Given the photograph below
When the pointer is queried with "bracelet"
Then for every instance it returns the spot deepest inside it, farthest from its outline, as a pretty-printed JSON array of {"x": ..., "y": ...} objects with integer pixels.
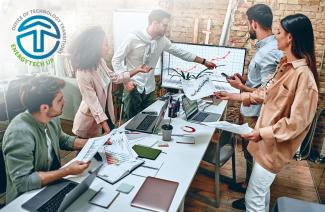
[{"x": 203, "y": 62}]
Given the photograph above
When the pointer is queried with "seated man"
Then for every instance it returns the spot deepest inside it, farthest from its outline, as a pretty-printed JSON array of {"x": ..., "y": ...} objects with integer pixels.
[{"x": 32, "y": 140}]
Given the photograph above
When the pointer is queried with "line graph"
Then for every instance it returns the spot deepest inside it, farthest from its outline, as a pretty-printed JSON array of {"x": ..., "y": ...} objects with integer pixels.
[{"x": 228, "y": 60}]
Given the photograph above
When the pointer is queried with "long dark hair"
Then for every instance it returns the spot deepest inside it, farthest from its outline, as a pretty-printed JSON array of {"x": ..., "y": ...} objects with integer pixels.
[
  {"x": 86, "y": 49},
  {"x": 301, "y": 30}
]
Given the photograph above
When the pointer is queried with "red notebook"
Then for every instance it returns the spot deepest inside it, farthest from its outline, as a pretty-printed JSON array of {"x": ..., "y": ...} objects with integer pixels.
[{"x": 155, "y": 194}]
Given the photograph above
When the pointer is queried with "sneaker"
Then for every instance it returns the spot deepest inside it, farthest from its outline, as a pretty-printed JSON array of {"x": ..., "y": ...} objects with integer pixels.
[{"x": 239, "y": 204}]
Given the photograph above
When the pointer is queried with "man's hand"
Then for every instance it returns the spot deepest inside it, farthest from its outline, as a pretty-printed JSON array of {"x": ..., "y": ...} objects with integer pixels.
[
  {"x": 77, "y": 167},
  {"x": 254, "y": 136},
  {"x": 129, "y": 86},
  {"x": 235, "y": 82},
  {"x": 240, "y": 77},
  {"x": 210, "y": 65}
]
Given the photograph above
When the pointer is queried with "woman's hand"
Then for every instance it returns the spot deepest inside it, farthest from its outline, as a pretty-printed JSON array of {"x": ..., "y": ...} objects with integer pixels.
[
  {"x": 254, "y": 136},
  {"x": 129, "y": 86},
  {"x": 143, "y": 69},
  {"x": 224, "y": 95},
  {"x": 105, "y": 127}
]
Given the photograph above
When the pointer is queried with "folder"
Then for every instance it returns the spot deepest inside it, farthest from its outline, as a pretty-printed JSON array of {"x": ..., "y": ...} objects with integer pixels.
[
  {"x": 155, "y": 194},
  {"x": 146, "y": 152}
]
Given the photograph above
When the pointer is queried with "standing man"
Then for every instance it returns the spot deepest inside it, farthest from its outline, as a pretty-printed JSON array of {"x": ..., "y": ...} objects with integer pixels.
[
  {"x": 262, "y": 65},
  {"x": 145, "y": 47},
  {"x": 33, "y": 138}
]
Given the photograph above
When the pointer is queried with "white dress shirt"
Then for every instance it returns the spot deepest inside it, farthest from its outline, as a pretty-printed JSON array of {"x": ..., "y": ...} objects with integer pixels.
[{"x": 130, "y": 55}]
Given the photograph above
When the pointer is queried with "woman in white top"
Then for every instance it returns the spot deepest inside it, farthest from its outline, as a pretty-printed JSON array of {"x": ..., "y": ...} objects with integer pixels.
[{"x": 95, "y": 82}]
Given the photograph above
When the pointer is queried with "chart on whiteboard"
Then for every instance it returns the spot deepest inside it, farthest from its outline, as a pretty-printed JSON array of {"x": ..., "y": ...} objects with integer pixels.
[{"x": 228, "y": 60}]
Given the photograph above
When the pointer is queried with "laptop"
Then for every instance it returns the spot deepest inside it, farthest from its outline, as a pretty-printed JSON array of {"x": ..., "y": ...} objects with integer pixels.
[
  {"x": 193, "y": 114},
  {"x": 59, "y": 195},
  {"x": 145, "y": 122},
  {"x": 155, "y": 194}
]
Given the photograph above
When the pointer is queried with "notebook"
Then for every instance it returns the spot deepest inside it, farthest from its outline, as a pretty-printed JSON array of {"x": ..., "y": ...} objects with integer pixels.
[
  {"x": 112, "y": 173},
  {"x": 155, "y": 194}
]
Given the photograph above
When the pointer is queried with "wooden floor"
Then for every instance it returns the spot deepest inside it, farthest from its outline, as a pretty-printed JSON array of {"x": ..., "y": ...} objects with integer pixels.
[{"x": 294, "y": 181}]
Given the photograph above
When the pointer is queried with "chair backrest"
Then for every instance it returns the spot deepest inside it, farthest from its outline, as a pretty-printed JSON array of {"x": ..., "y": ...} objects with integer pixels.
[
  {"x": 226, "y": 138},
  {"x": 305, "y": 147},
  {"x": 13, "y": 102}
]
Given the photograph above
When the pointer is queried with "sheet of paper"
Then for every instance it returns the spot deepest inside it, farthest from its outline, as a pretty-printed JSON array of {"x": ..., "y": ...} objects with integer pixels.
[
  {"x": 234, "y": 128},
  {"x": 198, "y": 88},
  {"x": 91, "y": 148}
]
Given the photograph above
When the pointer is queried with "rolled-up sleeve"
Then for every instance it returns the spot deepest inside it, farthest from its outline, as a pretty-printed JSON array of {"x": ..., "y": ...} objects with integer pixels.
[
  {"x": 178, "y": 52},
  {"x": 253, "y": 98},
  {"x": 18, "y": 151},
  {"x": 116, "y": 78},
  {"x": 89, "y": 95}
]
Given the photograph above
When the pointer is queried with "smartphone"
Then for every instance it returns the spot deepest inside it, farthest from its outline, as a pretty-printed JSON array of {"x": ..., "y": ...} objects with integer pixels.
[{"x": 225, "y": 75}]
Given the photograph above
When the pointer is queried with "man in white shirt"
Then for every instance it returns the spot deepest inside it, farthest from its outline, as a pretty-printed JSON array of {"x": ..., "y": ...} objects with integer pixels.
[{"x": 145, "y": 47}]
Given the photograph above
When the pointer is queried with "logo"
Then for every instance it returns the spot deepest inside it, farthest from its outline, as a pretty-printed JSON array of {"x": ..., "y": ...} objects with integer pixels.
[{"x": 39, "y": 34}]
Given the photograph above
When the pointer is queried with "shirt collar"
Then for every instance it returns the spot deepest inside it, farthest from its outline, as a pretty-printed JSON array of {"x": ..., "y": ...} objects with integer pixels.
[
  {"x": 264, "y": 41},
  {"x": 295, "y": 64},
  {"x": 40, "y": 125},
  {"x": 147, "y": 34}
]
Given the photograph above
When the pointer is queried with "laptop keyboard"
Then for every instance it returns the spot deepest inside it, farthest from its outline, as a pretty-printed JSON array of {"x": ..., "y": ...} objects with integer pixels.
[
  {"x": 54, "y": 203},
  {"x": 146, "y": 122},
  {"x": 200, "y": 117}
]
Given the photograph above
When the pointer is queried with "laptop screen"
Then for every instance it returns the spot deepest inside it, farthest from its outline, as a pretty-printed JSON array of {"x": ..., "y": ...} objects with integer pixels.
[{"x": 190, "y": 107}]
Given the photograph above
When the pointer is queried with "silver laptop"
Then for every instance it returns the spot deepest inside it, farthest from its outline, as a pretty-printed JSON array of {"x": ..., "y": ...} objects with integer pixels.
[
  {"x": 145, "y": 122},
  {"x": 193, "y": 114},
  {"x": 59, "y": 195}
]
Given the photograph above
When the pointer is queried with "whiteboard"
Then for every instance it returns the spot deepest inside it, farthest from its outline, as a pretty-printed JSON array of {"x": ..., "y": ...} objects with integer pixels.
[
  {"x": 127, "y": 21},
  {"x": 230, "y": 61}
]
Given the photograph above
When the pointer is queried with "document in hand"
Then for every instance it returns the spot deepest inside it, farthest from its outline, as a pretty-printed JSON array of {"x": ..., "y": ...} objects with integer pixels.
[
  {"x": 234, "y": 128},
  {"x": 91, "y": 148}
]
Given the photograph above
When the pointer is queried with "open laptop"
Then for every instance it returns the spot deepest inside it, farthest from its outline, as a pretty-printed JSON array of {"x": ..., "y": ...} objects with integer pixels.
[
  {"x": 145, "y": 122},
  {"x": 193, "y": 114},
  {"x": 60, "y": 195}
]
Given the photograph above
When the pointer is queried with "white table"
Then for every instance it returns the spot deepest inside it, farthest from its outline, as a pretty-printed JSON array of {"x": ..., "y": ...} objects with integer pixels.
[{"x": 180, "y": 165}]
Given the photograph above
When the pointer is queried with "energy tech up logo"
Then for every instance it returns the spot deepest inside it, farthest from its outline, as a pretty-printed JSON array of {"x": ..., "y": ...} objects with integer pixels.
[{"x": 39, "y": 34}]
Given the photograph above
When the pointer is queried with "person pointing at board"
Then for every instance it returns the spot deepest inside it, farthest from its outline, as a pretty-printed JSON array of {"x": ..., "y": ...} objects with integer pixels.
[{"x": 145, "y": 47}]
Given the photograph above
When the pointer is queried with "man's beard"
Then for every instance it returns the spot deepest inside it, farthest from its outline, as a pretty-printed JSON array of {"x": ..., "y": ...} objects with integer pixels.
[
  {"x": 52, "y": 113},
  {"x": 252, "y": 34}
]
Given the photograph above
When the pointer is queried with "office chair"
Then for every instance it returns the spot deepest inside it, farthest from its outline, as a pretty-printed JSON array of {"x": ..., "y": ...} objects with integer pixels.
[
  {"x": 305, "y": 147},
  {"x": 218, "y": 154},
  {"x": 13, "y": 107}
]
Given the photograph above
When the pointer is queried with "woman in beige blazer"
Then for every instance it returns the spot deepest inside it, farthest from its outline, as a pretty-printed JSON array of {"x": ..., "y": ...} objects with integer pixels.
[{"x": 96, "y": 111}]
